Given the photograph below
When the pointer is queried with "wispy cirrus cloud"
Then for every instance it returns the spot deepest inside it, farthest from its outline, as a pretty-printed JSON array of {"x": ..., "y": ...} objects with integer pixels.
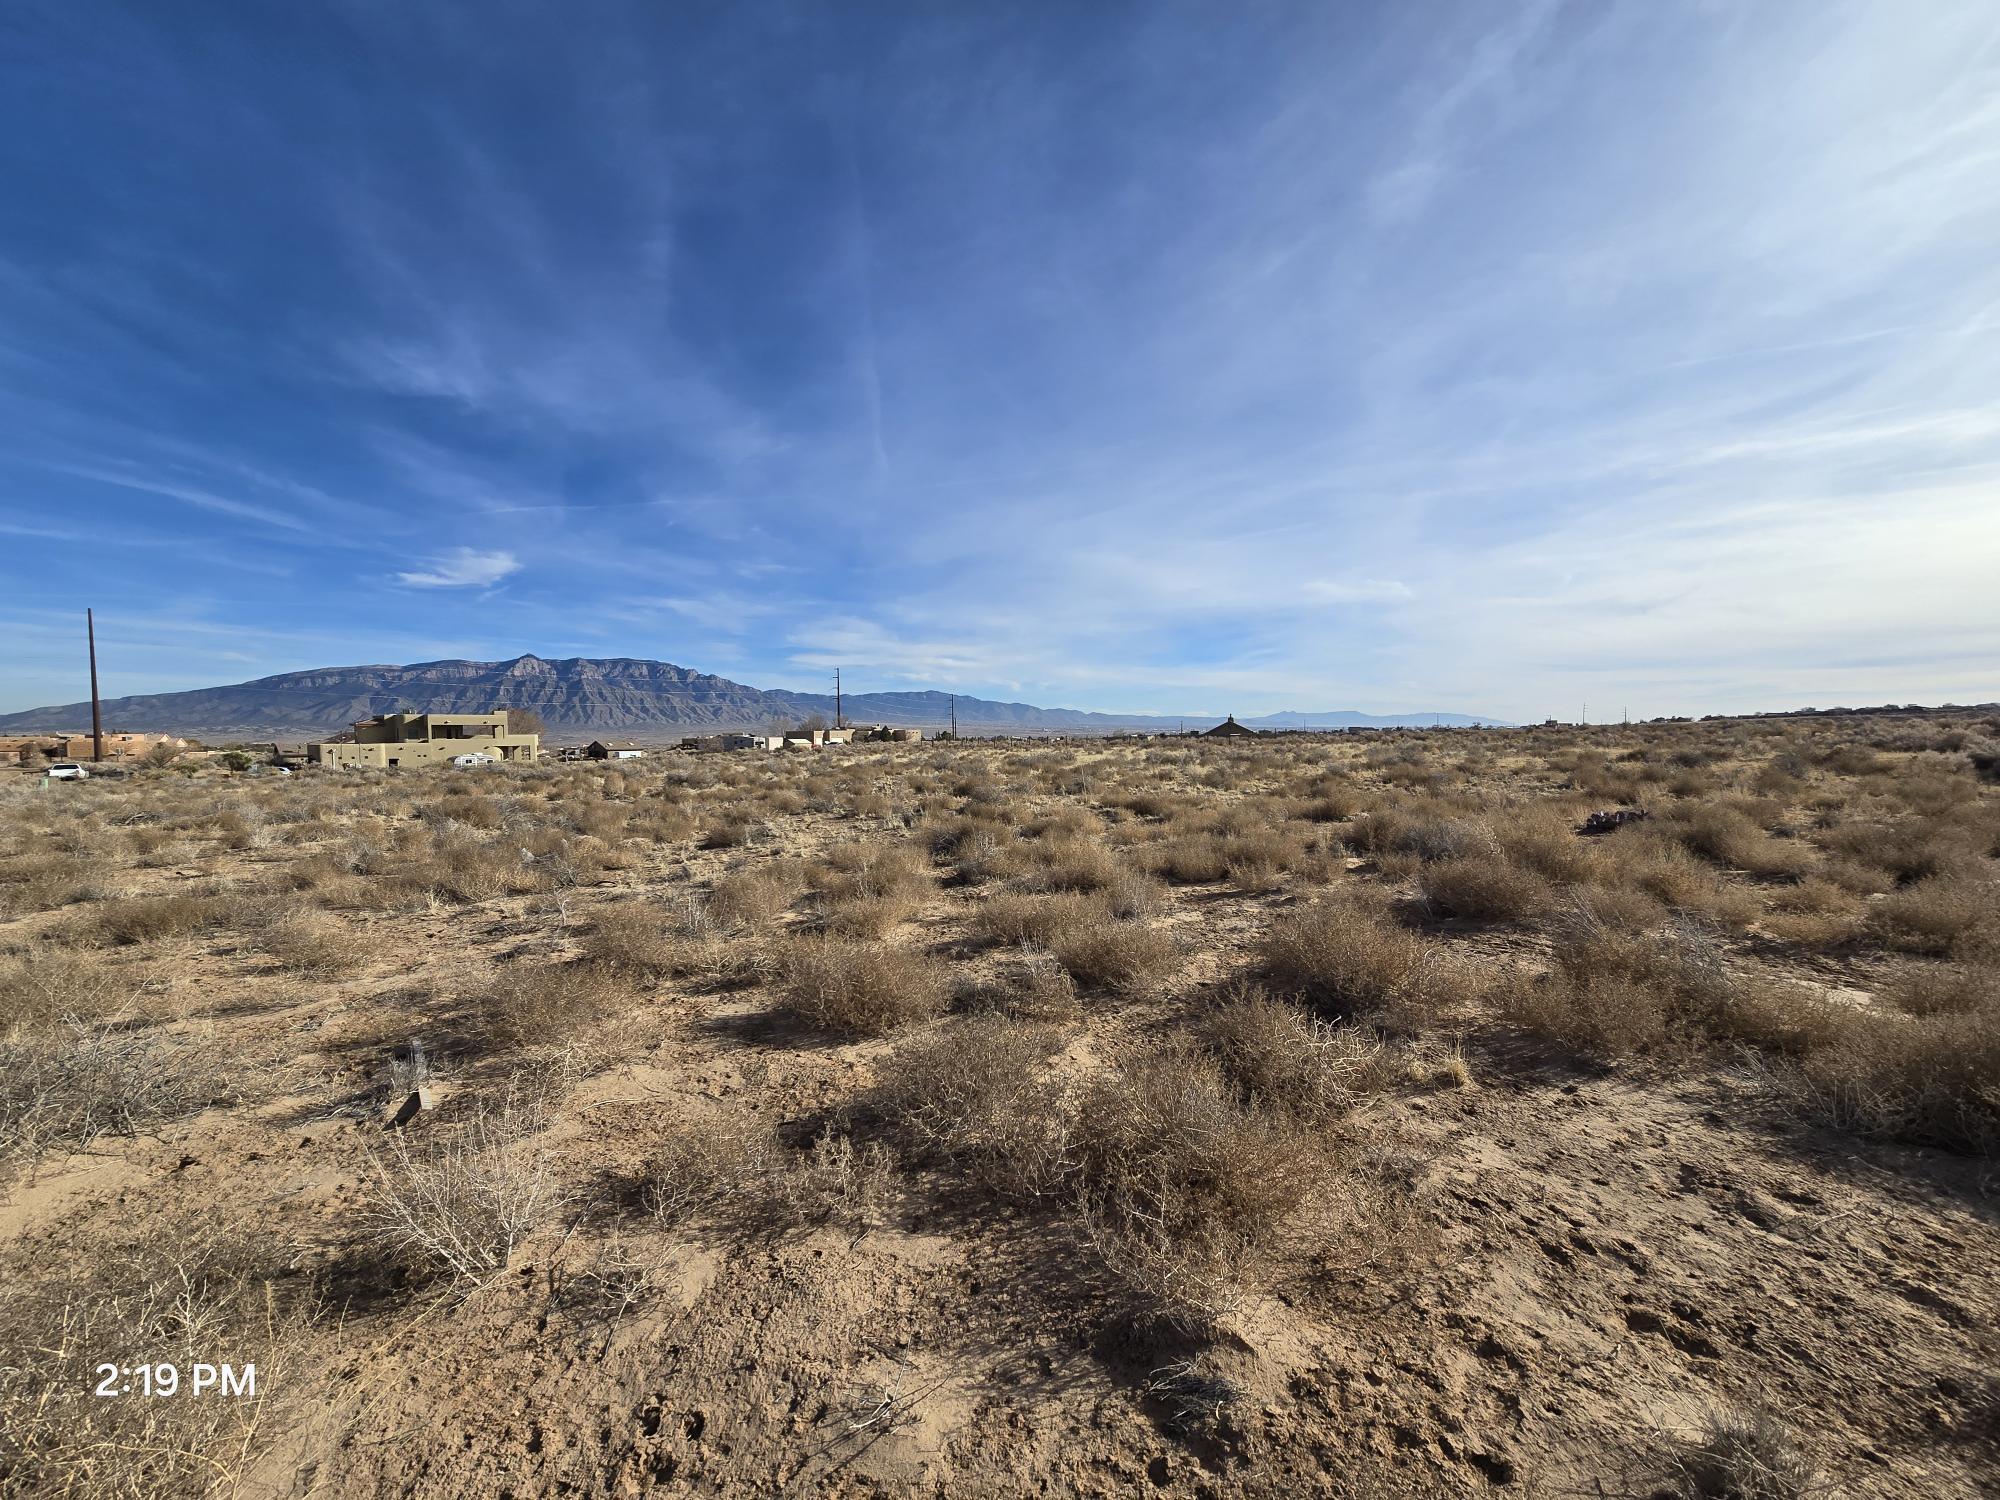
[
  {"x": 463, "y": 568},
  {"x": 1364, "y": 357}
]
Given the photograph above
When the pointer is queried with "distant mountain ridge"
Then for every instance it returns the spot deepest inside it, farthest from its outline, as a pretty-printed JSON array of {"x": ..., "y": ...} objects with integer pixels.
[{"x": 586, "y": 693}]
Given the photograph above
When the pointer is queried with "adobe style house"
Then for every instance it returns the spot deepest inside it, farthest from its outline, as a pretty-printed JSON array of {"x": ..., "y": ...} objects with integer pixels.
[
  {"x": 426, "y": 740},
  {"x": 117, "y": 746}
]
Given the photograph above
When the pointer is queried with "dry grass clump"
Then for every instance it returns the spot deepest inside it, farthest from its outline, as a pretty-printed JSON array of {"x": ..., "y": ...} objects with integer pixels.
[
  {"x": 1342, "y": 958},
  {"x": 757, "y": 895},
  {"x": 530, "y": 1004},
  {"x": 1736, "y": 1456},
  {"x": 1066, "y": 862},
  {"x": 858, "y": 988},
  {"x": 1931, "y": 1079},
  {"x": 1199, "y": 859},
  {"x": 1286, "y": 1059},
  {"x": 871, "y": 888},
  {"x": 1612, "y": 992},
  {"x": 147, "y": 919},
  {"x": 1122, "y": 957},
  {"x": 1487, "y": 887},
  {"x": 1944, "y": 914},
  {"x": 735, "y": 1168},
  {"x": 37, "y": 989},
  {"x": 1729, "y": 838},
  {"x": 669, "y": 939},
  {"x": 185, "y": 1292},
  {"x": 977, "y": 1095},
  {"x": 457, "y": 1198},
  {"x": 1661, "y": 869},
  {"x": 1185, "y": 1193},
  {"x": 67, "y": 1085},
  {"x": 45, "y": 881},
  {"x": 313, "y": 944},
  {"x": 1931, "y": 989},
  {"x": 1013, "y": 918}
]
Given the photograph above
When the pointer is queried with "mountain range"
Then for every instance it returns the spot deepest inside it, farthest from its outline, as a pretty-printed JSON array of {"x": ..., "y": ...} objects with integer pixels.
[{"x": 639, "y": 698}]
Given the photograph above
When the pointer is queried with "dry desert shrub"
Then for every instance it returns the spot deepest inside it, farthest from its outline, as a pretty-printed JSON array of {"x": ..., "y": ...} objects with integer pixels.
[
  {"x": 1185, "y": 1193},
  {"x": 67, "y": 1085},
  {"x": 1943, "y": 914},
  {"x": 139, "y": 920},
  {"x": 1611, "y": 993},
  {"x": 1066, "y": 862},
  {"x": 1198, "y": 859},
  {"x": 1729, "y": 838},
  {"x": 1934, "y": 989},
  {"x": 1286, "y": 1059},
  {"x": 37, "y": 989},
  {"x": 1486, "y": 886},
  {"x": 1661, "y": 869},
  {"x": 185, "y": 1293},
  {"x": 758, "y": 894},
  {"x": 1540, "y": 839},
  {"x": 46, "y": 881},
  {"x": 313, "y": 944},
  {"x": 1933, "y": 1080},
  {"x": 870, "y": 888},
  {"x": 536, "y": 1004},
  {"x": 1123, "y": 956},
  {"x": 734, "y": 1169},
  {"x": 1735, "y": 1456},
  {"x": 457, "y": 1198},
  {"x": 1342, "y": 958},
  {"x": 656, "y": 941},
  {"x": 858, "y": 988},
  {"x": 1012, "y": 918},
  {"x": 977, "y": 1095}
]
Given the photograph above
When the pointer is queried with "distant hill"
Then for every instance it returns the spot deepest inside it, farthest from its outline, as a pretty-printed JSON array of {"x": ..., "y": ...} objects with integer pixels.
[{"x": 587, "y": 694}]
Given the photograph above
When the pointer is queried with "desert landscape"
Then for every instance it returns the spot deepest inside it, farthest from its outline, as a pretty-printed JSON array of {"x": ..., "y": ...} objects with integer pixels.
[{"x": 1285, "y": 1115}]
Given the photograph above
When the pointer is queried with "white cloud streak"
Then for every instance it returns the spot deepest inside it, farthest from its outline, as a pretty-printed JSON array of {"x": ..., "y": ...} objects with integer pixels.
[{"x": 463, "y": 568}]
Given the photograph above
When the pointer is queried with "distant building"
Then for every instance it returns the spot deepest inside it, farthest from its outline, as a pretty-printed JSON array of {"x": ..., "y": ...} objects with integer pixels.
[
  {"x": 614, "y": 750},
  {"x": 426, "y": 740},
  {"x": 25, "y": 749},
  {"x": 119, "y": 746},
  {"x": 1229, "y": 726}
]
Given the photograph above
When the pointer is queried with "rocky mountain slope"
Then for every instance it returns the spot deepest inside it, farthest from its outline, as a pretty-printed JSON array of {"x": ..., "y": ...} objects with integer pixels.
[{"x": 581, "y": 693}]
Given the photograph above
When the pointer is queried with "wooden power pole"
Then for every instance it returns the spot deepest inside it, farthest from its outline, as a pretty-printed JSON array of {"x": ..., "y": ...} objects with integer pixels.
[
  {"x": 836, "y": 699},
  {"x": 954, "y": 716},
  {"x": 96, "y": 712}
]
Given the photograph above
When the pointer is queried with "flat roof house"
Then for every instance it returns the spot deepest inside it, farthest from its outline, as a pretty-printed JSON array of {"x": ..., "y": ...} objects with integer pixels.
[{"x": 426, "y": 740}]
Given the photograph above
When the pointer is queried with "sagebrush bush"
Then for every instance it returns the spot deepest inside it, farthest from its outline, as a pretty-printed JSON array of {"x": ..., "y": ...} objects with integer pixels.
[
  {"x": 863, "y": 989},
  {"x": 977, "y": 1095},
  {"x": 1122, "y": 956},
  {"x": 1341, "y": 957},
  {"x": 544, "y": 1004},
  {"x": 1486, "y": 886},
  {"x": 1185, "y": 1192},
  {"x": 1286, "y": 1059}
]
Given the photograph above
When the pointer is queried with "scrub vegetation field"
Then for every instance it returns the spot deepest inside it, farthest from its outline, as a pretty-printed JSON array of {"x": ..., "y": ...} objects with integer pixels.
[{"x": 1298, "y": 1116}]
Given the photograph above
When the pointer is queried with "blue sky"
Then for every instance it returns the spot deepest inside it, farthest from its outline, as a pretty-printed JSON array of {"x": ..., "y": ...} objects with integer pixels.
[{"x": 1481, "y": 357}]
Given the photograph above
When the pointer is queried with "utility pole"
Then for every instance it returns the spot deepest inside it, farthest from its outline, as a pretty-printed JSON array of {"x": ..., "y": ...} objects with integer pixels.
[
  {"x": 96, "y": 712},
  {"x": 836, "y": 699},
  {"x": 954, "y": 716}
]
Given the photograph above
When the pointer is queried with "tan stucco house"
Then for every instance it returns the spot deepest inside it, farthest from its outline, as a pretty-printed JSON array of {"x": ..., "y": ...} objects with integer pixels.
[{"x": 426, "y": 740}]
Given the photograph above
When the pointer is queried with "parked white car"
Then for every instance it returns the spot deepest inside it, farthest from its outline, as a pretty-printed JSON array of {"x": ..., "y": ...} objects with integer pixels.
[
  {"x": 67, "y": 770},
  {"x": 476, "y": 758}
]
